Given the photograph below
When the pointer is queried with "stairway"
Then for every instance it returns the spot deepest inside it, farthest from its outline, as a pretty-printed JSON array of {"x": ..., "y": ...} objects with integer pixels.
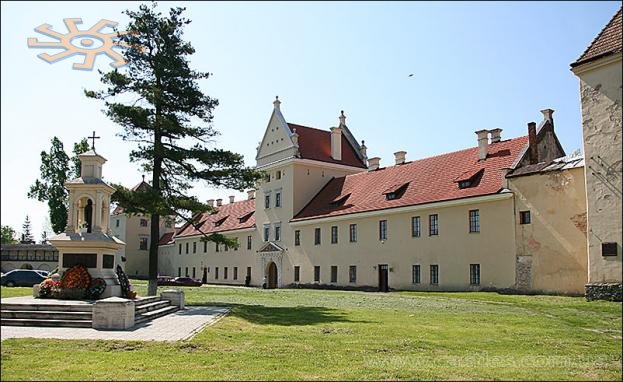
[
  {"x": 53, "y": 315},
  {"x": 149, "y": 308}
]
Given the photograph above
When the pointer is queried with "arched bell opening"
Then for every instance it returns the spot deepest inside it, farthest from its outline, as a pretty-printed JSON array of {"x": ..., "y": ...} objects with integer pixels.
[{"x": 86, "y": 211}]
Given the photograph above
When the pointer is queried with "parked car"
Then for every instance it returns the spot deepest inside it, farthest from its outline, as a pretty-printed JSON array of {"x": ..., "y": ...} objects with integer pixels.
[
  {"x": 165, "y": 280},
  {"x": 21, "y": 277},
  {"x": 42, "y": 273},
  {"x": 186, "y": 281}
]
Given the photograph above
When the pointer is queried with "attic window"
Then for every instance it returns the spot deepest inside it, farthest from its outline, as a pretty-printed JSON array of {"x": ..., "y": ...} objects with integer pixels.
[
  {"x": 220, "y": 221},
  {"x": 340, "y": 200},
  {"x": 469, "y": 179},
  {"x": 245, "y": 217},
  {"x": 395, "y": 191}
]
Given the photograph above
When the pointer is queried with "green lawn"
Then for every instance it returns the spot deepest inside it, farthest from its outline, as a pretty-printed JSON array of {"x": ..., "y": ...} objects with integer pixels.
[{"x": 312, "y": 334}]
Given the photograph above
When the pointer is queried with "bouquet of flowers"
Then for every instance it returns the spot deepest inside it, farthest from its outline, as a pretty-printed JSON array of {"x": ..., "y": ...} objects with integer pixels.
[
  {"x": 49, "y": 289},
  {"x": 97, "y": 287},
  {"x": 76, "y": 277}
]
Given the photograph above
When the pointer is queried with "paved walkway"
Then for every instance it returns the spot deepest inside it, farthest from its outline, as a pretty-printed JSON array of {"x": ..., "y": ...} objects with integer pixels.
[{"x": 179, "y": 325}]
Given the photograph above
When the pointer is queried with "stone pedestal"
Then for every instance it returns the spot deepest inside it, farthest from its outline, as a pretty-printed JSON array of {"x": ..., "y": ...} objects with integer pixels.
[
  {"x": 113, "y": 313},
  {"x": 176, "y": 297},
  {"x": 35, "y": 290}
]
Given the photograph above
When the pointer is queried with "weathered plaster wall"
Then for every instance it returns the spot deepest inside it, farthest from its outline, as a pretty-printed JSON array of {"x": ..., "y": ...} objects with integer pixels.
[
  {"x": 551, "y": 250},
  {"x": 600, "y": 90}
]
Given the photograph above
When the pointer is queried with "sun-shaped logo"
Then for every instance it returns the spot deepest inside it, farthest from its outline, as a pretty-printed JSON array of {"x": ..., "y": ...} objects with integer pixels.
[{"x": 88, "y": 43}]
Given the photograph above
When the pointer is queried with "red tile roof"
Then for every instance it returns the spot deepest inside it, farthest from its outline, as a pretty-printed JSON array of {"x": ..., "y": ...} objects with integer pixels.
[
  {"x": 607, "y": 42},
  {"x": 232, "y": 216},
  {"x": 429, "y": 180},
  {"x": 315, "y": 144},
  {"x": 167, "y": 238}
]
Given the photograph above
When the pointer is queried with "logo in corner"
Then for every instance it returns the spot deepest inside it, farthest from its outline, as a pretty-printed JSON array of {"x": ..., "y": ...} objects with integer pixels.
[{"x": 88, "y": 43}]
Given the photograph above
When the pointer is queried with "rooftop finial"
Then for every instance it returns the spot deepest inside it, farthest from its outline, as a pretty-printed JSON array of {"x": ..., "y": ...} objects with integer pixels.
[
  {"x": 276, "y": 102},
  {"x": 342, "y": 118},
  {"x": 93, "y": 138},
  {"x": 143, "y": 177}
]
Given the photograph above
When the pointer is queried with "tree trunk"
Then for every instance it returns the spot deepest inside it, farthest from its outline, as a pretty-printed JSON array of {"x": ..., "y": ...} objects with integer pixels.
[{"x": 155, "y": 218}]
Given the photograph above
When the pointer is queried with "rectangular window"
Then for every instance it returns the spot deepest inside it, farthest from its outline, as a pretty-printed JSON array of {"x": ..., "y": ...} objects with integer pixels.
[
  {"x": 217, "y": 247},
  {"x": 266, "y": 201},
  {"x": 235, "y": 273},
  {"x": 433, "y": 225},
  {"x": 415, "y": 274},
  {"x": 249, "y": 272},
  {"x": 194, "y": 274},
  {"x": 179, "y": 271},
  {"x": 416, "y": 226},
  {"x": 317, "y": 273},
  {"x": 194, "y": 247},
  {"x": 278, "y": 175},
  {"x": 143, "y": 222},
  {"x": 226, "y": 247},
  {"x": 225, "y": 273},
  {"x": 277, "y": 199},
  {"x": 277, "y": 232},
  {"x": 205, "y": 247},
  {"x": 434, "y": 274},
  {"x": 297, "y": 237},
  {"x": 474, "y": 221},
  {"x": 266, "y": 232},
  {"x": 143, "y": 244},
  {"x": 334, "y": 234},
  {"x": 180, "y": 248},
  {"x": 352, "y": 274},
  {"x": 216, "y": 273},
  {"x": 117, "y": 223},
  {"x": 297, "y": 273},
  {"x": 333, "y": 273},
  {"x": 317, "y": 236},
  {"x": 186, "y": 272},
  {"x": 474, "y": 274},
  {"x": 383, "y": 230},
  {"x": 249, "y": 242},
  {"x": 353, "y": 233},
  {"x": 524, "y": 217},
  {"x": 187, "y": 248}
]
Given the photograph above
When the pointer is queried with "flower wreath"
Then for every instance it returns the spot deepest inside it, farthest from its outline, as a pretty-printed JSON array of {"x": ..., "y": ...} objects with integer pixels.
[
  {"x": 76, "y": 277},
  {"x": 123, "y": 281}
]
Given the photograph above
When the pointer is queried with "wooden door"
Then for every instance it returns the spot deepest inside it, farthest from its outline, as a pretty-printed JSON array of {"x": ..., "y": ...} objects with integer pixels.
[
  {"x": 383, "y": 278},
  {"x": 272, "y": 276}
]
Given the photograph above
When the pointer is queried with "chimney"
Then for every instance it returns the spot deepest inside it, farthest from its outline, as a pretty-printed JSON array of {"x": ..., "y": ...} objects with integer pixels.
[
  {"x": 496, "y": 135},
  {"x": 251, "y": 194},
  {"x": 364, "y": 150},
  {"x": 232, "y": 198},
  {"x": 483, "y": 143},
  {"x": 277, "y": 103},
  {"x": 336, "y": 143},
  {"x": 210, "y": 202},
  {"x": 532, "y": 143},
  {"x": 548, "y": 115},
  {"x": 374, "y": 163},
  {"x": 400, "y": 157},
  {"x": 219, "y": 202}
]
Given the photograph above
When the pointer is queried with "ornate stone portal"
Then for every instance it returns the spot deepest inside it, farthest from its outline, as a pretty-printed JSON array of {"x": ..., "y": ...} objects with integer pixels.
[{"x": 87, "y": 240}]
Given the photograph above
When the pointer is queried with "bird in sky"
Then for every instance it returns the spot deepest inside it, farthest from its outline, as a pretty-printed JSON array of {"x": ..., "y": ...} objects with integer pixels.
[{"x": 411, "y": 75}]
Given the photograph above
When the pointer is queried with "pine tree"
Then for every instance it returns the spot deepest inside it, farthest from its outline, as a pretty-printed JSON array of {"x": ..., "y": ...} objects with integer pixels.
[
  {"x": 169, "y": 117},
  {"x": 7, "y": 235},
  {"x": 55, "y": 170},
  {"x": 27, "y": 231}
]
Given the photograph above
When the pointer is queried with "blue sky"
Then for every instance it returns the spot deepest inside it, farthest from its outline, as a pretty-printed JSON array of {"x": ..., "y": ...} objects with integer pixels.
[{"x": 475, "y": 65}]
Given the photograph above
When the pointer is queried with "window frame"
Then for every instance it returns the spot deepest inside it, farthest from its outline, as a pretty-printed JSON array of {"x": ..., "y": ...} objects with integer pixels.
[
  {"x": 142, "y": 240},
  {"x": 297, "y": 273},
  {"x": 434, "y": 274},
  {"x": 317, "y": 236},
  {"x": 416, "y": 226},
  {"x": 416, "y": 274},
  {"x": 266, "y": 201},
  {"x": 297, "y": 237},
  {"x": 352, "y": 233},
  {"x": 334, "y": 234},
  {"x": 143, "y": 223},
  {"x": 249, "y": 242},
  {"x": 522, "y": 217},
  {"x": 474, "y": 274},
  {"x": 352, "y": 274},
  {"x": 277, "y": 232},
  {"x": 433, "y": 229},
  {"x": 474, "y": 221},
  {"x": 278, "y": 199},
  {"x": 266, "y": 235},
  {"x": 334, "y": 274},
  {"x": 383, "y": 230},
  {"x": 316, "y": 273}
]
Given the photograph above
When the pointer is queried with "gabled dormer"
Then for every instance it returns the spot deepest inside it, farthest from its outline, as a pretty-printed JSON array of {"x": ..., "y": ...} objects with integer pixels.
[{"x": 278, "y": 142}]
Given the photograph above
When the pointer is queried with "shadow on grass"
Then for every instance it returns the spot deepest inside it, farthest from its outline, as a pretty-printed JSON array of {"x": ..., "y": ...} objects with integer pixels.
[{"x": 286, "y": 316}]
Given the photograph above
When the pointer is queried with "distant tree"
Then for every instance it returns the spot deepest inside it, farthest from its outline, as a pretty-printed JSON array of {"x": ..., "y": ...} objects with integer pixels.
[
  {"x": 27, "y": 230},
  {"x": 8, "y": 235},
  {"x": 44, "y": 237},
  {"x": 163, "y": 109},
  {"x": 26, "y": 266},
  {"x": 55, "y": 171}
]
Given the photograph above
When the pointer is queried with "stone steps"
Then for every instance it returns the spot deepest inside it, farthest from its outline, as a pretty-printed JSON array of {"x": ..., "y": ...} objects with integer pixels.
[
  {"x": 146, "y": 300},
  {"x": 46, "y": 322},
  {"x": 151, "y": 315},
  {"x": 48, "y": 307},
  {"x": 46, "y": 315},
  {"x": 148, "y": 307}
]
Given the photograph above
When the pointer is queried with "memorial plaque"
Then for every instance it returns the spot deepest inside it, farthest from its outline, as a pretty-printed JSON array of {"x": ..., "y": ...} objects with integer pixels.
[
  {"x": 109, "y": 261},
  {"x": 89, "y": 260}
]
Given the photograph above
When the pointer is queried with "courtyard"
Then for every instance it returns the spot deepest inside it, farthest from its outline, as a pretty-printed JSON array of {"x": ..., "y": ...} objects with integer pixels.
[{"x": 334, "y": 335}]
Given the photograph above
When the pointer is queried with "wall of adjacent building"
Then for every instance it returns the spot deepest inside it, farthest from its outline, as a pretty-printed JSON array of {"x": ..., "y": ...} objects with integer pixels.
[
  {"x": 551, "y": 249},
  {"x": 600, "y": 91}
]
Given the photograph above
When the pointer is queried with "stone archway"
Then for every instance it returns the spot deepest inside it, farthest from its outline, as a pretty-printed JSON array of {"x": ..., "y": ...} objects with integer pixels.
[{"x": 271, "y": 275}]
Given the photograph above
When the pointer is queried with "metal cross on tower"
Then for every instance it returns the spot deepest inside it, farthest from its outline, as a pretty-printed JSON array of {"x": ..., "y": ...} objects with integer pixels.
[{"x": 93, "y": 138}]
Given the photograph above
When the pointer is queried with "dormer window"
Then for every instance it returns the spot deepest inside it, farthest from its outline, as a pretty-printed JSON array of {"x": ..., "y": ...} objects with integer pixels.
[
  {"x": 396, "y": 191},
  {"x": 340, "y": 200},
  {"x": 220, "y": 221},
  {"x": 469, "y": 179},
  {"x": 245, "y": 217}
]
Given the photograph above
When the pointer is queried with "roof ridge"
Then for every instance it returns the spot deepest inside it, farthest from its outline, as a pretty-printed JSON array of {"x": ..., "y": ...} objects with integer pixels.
[
  {"x": 308, "y": 127},
  {"x": 579, "y": 60}
]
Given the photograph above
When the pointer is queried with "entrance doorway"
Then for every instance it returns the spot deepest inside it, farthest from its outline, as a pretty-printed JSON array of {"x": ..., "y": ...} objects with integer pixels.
[
  {"x": 383, "y": 275},
  {"x": 272, "y": 276},
  {"x": 204, "y": 279}
]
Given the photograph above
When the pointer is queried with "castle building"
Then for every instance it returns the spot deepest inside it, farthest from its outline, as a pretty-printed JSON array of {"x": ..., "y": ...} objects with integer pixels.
[{"x": 506, "y": 213}]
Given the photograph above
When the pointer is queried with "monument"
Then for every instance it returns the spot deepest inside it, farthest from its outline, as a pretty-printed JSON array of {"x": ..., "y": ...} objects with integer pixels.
[{"x": 87, "y": 239}]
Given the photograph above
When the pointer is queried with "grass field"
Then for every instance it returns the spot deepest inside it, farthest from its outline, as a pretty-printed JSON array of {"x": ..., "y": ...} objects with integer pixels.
[{"x": 313, "y": 334}]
